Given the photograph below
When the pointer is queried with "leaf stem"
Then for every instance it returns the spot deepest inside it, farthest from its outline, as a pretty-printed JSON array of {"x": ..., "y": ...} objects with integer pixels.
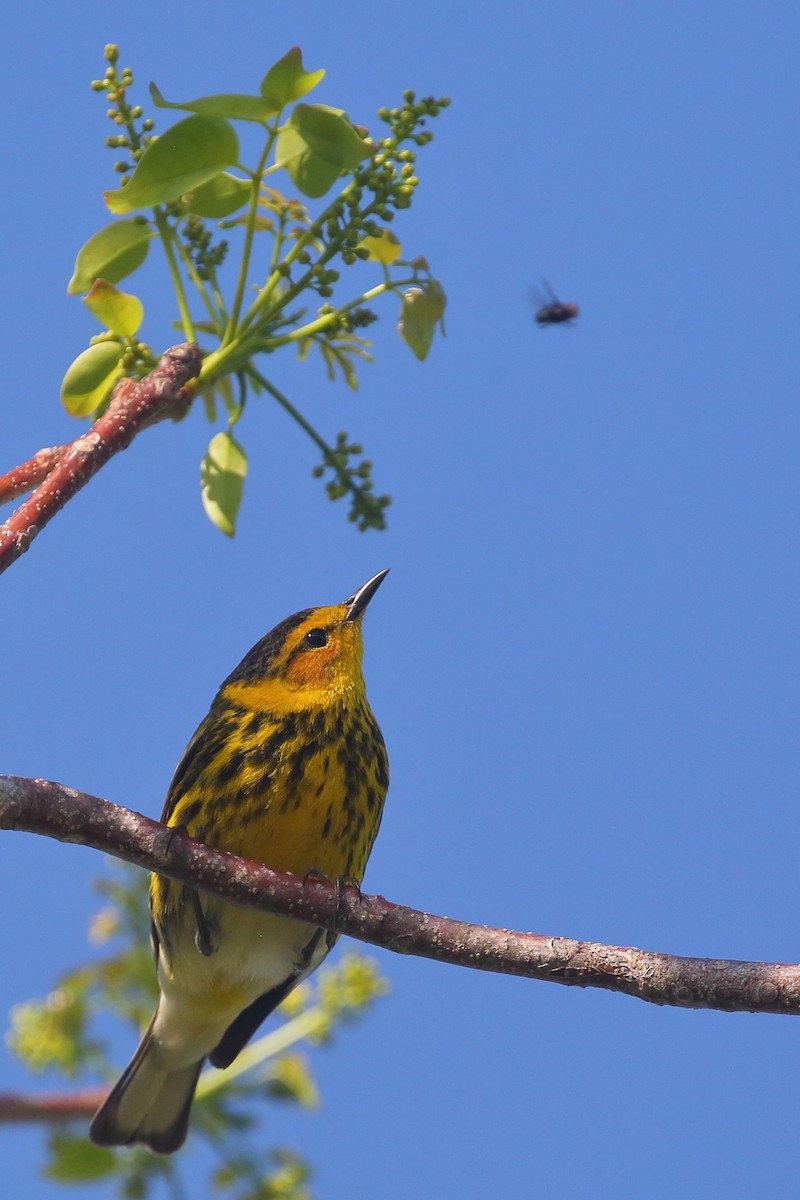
[
  {"x": 216, "y": 316},
  {"x": 167, "y": 241},
  {"x": 268, "y": 1046},
  {"x": 292, "y": 411},
  {"x": 244, "y": 265},
  {"x": 330, "y": 318}
]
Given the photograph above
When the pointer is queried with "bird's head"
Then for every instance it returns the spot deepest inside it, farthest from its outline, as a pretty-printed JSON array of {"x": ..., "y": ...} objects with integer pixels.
[{"x": 309, "y": 660}]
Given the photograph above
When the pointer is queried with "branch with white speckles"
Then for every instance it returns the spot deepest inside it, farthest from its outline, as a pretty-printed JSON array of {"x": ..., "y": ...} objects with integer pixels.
[
  {"x": 61, "y": 471},
  {"x": 36, "y": 806}
]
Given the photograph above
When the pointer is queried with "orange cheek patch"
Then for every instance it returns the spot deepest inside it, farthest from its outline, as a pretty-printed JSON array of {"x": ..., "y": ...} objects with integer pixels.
[{"x": 311, "y": 669}]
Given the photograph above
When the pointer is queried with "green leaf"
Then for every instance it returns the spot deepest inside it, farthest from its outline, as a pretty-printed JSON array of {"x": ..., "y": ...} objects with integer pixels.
[
  {"x": 385, "y": 248},
  {"x": 287, "y": 81},
  {"x": 220, "y": 197},
  {"x": 90, "y": 378},
  {"x": 112, "y": 253},
  {"x": 291, "y": 1079},
  {"x": 317, "y": 145},
  {"x": 49, "y": 1033},
  {"x": 422, "y": 310},
  {"x": 187, "y": 155},
  {"x": 118, "y": 311},
  {"x": 233, "y": 106},
  {"x": 222, "y": 474},
  {"x": 77, "y": 1160}
]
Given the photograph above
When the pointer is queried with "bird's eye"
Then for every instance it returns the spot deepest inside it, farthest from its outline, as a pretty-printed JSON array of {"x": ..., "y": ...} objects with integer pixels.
[{"x": 316, "y": 638}]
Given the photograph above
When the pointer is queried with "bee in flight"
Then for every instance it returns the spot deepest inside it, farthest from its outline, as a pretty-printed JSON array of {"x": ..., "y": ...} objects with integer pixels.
[{"x": 553, "y": 312}]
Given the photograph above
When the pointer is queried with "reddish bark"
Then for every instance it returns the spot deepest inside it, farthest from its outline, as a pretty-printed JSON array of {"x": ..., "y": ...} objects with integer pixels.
[
  {"x": 16, "y": 1107},
  {"x": 59, "y": 812},
  {"x": 134, "y": 405},
  {"x": 29, "y": 474}
]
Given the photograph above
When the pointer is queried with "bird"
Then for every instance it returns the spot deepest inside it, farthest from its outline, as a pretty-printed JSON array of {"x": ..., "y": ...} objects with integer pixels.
[{"x": 289, "y": 769}]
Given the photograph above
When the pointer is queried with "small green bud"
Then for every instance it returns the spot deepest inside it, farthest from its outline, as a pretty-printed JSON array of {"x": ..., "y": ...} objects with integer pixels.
[{"x": 111, "y": 52}]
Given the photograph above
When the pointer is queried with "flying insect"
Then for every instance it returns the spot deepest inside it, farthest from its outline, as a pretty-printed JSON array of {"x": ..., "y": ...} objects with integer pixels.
[{"x": 553, "y": 311}]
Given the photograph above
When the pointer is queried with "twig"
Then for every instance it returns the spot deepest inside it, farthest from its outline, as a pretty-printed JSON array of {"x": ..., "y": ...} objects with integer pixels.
[
  {"x": 29, "y": 474},
  {"x": 56, "y": 811},
  {"x": 18, "y": 1107},
  {"x": 134, "y": 405}
]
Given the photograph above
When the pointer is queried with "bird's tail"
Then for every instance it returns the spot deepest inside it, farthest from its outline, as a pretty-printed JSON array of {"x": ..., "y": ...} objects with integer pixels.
[{"x": 150, "y": 1103}]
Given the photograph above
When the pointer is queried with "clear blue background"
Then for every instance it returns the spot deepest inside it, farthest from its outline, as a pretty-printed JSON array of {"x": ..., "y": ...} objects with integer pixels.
[{"x": 585, "y": 658}]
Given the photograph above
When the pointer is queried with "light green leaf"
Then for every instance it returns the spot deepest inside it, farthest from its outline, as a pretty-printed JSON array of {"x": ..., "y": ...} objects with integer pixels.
[
  {"x": 76, "y": 1160},
  {"x": 90, "y": 378},
  {"x": 287, "y": 81},
  {"x": 112, "y": 253},
  {"x": 316, "y": 145},
  {"x": 232, "y": 106},
  {"x": 385, "y": 248},
  {"x": 291, "y": 1079},
  {"x": 120, "y": 312},
  {"x": 183, "y": 158},
  {"x": 220, "y": 197},
  {"x": 421, "y": 311},
  {"x": 222, "y": 475}
]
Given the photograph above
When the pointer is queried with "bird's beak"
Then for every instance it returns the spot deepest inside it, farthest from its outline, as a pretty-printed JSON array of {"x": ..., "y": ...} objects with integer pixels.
[{"x": 360, "y": 599}]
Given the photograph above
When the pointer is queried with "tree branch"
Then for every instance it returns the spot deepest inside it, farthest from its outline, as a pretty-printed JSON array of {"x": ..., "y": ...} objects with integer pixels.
[
  {"x": 134, "y": 405},
  {"x": 19, "y": 1107},
  {"x": 36, "y": 806},
  {"x": 28, "y": 474}
]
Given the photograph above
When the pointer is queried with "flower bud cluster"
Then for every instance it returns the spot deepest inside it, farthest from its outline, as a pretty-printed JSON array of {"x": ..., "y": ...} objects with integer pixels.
[
  {"x": 134, "y": 140},
  {"x": 366, "y": 509},
  {"x": 206, "y": 256}
]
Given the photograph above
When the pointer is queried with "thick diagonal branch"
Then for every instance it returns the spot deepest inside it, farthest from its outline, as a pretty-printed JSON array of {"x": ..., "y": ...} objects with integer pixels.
[
  {"x": 59, "y": 812},
  {"x": 134, "y": 405}
]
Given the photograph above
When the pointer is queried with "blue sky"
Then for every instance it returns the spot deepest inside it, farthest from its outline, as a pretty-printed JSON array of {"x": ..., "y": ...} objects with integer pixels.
[{"x": 585, "y": 660}]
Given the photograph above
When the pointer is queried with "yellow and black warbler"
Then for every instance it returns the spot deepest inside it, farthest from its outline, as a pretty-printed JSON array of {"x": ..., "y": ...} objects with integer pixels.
[{"x": 289, "y": 769}]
